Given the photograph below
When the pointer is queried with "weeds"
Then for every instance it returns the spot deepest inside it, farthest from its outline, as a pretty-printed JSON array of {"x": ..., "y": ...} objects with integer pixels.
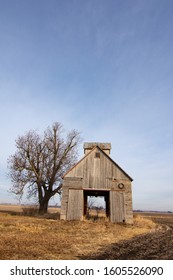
[
  {"x": 30, "y": 210},
  {"x": 142, "y": 222}
]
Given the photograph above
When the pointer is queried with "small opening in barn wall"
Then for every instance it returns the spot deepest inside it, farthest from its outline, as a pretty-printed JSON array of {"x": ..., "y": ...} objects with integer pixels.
[{"x": 97, "y": 155}]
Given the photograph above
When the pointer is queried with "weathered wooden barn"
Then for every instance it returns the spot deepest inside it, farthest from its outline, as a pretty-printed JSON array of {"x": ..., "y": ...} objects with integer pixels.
[{"x": 96, "y": 174}]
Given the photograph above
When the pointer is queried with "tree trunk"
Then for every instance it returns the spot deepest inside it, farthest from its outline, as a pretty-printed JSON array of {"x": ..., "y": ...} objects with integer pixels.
[{"x": 43, "y": 206}]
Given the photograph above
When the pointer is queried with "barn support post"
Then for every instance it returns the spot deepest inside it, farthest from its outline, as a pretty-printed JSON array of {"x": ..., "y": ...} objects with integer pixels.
[
  {"x": 107, "y": 201},
  {"x": 85, "y": 204}
]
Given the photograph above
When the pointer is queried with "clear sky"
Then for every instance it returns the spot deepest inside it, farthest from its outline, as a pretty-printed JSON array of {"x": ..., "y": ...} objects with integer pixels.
[{"x": 103, "y": 67}]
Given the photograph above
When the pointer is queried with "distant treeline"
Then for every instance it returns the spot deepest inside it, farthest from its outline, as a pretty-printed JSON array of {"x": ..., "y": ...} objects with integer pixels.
[{"x": 153, "y": 211}]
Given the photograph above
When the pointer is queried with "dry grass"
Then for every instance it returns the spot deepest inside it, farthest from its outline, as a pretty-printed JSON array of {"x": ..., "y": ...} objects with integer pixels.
[
  {"x": 141, "y": 221},
  {"x": 24, "y": 237},
  {"x": 33, "y": 238}
]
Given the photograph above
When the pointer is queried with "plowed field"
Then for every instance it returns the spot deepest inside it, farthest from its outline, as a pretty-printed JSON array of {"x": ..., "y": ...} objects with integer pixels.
[{"x": 156, "y": 245}]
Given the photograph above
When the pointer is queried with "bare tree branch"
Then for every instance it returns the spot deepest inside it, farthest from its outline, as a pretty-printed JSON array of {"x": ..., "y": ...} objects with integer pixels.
[{"x": 40, "y": 162}]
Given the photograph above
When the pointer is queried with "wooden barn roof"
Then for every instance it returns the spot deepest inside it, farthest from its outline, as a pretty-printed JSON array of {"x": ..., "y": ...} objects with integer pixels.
[{"x": 105, "y": 156}]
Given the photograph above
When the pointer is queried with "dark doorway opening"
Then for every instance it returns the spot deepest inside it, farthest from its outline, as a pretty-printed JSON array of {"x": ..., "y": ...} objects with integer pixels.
[{"x": 96, "y": 193}]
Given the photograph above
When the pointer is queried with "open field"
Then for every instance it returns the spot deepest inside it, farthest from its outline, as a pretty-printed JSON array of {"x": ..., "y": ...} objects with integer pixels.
[
  {"x": 19, "y": 208},
  {"x": 25, "y": 237}
]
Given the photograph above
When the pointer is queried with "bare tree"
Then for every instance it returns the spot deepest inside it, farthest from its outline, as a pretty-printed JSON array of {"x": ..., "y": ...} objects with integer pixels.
[
  {"x": 40, "y": 162},
  {"x": 90, "y": 204},
  {"x": 94, "y": 205}
]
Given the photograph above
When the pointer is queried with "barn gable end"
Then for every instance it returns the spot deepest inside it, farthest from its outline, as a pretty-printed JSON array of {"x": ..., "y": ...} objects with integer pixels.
[{"x": 96, "y": 171}]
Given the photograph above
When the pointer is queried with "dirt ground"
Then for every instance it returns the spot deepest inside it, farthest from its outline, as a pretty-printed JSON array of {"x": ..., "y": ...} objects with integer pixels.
[{"x": 151, "y": 246}]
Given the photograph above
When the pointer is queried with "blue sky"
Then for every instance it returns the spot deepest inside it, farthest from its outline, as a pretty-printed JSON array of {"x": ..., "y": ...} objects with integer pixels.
[{"x": 103, "y": 67}]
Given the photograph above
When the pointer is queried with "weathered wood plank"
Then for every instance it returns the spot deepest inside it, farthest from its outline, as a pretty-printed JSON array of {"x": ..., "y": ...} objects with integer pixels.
[
  {"x": 117, "y": 209},
  {"x": 75, "y": 205}
]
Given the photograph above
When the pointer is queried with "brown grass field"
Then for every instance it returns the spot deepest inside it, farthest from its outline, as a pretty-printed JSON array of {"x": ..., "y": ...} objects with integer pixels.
[{"x": 25, "y": 237}]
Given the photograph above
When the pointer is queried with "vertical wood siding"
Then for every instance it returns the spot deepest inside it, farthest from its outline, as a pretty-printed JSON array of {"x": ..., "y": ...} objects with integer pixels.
[
  {"x": 97, "y": 173},
  {"x": 117, "y": 211},
  {"x": 75, "y": 205}
]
